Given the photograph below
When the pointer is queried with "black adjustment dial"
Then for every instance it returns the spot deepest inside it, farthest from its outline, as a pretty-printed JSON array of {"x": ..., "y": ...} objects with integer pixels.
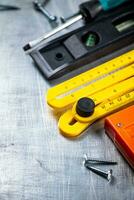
[{"x": 85, "y": 107}]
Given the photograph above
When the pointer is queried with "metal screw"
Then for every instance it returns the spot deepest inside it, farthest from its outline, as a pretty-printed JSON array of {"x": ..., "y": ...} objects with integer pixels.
[
  {"x": 107, "y": 175},
  {"x": 38, "y": 6},
  {"x": 119, "y": 124}
]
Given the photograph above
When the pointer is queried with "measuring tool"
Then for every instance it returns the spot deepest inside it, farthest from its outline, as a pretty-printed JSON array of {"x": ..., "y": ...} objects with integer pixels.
[
  {"x": 94, "y": 94},
  {"x": 88, "y": 11},
  {"x": 120, "y": 128},
  {"x": 86, "y": 44}
]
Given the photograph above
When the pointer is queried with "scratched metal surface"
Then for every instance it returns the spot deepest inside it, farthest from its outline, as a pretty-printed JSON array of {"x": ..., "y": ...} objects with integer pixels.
[{"x": 36, "y": 162}]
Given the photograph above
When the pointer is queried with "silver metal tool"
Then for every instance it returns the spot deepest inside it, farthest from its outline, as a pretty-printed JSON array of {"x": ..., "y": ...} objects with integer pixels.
[
  {"x": 107, "y": 175},
  {"x": 51, "y": 33},
  {"x": 38, "y": 6}
]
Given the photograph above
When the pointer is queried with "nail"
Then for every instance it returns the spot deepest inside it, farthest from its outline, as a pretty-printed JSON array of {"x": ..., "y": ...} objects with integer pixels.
[{"x": 107, "y": 175}]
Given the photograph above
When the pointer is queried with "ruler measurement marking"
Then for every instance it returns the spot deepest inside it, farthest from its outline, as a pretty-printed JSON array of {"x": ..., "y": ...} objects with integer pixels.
[
  {"x": 113, "y": 76},
  {"x": 106, "y": 107},
  {"x": 76, "y": 128},
  {"x": 61, "y": 88},
  {"x": 97, "y": 86},
  {"x": 86, "y": 82},
  {"x": 117, "y": 89}
]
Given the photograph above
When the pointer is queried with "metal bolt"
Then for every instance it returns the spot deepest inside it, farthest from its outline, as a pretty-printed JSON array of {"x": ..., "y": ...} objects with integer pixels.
[
  {"x": 107, "y": 175},
  {"x": 38, "y": 6}
]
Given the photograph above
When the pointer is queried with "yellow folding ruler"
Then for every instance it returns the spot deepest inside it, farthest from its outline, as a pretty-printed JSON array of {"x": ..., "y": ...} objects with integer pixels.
[{"x": 94, "y": 94}]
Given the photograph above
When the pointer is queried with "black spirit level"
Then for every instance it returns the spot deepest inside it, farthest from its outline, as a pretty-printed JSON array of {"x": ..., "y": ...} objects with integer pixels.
[{"x": 109, "y": 32}]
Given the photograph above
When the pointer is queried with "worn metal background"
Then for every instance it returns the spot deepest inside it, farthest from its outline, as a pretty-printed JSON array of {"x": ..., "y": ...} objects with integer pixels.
[{"x": 36, "y": 162}]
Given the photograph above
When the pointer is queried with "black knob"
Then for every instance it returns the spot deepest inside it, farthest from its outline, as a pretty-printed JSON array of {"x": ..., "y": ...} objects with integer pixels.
[
  {"x": 90, "y": 9},
  {"x": 85, "y": 107}
]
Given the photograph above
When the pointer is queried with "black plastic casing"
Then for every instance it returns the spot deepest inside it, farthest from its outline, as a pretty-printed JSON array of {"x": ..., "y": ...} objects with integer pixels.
[{"x": 69, "y": 51}]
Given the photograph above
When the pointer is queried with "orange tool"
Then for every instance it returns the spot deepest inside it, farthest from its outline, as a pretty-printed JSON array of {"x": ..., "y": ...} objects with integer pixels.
[{"x": 120, "y": 128}]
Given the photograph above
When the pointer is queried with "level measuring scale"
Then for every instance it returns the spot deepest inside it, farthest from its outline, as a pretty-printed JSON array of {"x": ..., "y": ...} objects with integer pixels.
[{"x": 110, "y": 86}]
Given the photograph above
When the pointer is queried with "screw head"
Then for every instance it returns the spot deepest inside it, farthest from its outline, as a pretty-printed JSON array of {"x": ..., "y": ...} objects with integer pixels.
[
  {"x": 109, "y": 175},
  {"x": 37, "y": 5},
  {"x": 53, "y": 18},
  {"x": 119, "y": 124}
]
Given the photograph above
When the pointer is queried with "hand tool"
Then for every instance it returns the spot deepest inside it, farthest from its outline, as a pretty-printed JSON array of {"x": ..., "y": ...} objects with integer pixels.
[
  {"x": 86, "y": 44},
  {"x": 107, "y": 175},
  {"x": 8, "y": 7},
  {"x": 88, "y": 11},
  {"x": 38, "y": 6},
  {"x": 120, "y": 128},
  {"x": 107, "y": 88}
]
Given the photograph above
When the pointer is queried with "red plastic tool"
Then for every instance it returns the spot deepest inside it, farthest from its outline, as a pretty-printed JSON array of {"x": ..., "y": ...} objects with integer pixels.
[{"x": 120, "y": 128}]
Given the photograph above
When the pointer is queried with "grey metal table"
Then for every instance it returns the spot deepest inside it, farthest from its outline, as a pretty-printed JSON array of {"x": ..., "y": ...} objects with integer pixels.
[{"x": 36, "y": 162}]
